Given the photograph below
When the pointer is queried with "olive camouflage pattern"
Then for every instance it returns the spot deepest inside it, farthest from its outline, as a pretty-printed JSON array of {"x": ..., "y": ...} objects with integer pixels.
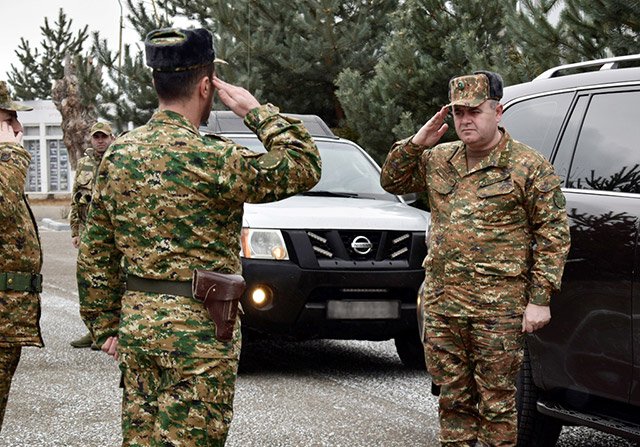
[
  {"x": 20, "y": 254},
  {"x": 484, "y": 225},
  {"x": 498, "y": 239},
  {"x": 469, "y": 91},
  {"x": 82, "y": 187},
  {"x": 20, "y": 251}
]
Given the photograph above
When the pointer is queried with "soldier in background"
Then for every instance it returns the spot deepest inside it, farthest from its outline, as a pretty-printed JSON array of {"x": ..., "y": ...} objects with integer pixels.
[
  {"x": 497, "y": 245},
  {"x": 101, "y": 137},
  {"x": 168, "y": 201},
  {"x": 20, "y": 252}
]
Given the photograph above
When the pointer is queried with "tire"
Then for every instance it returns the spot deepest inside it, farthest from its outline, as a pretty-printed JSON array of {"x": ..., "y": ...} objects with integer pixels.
[
  {"x": 411, "y": 351},
  {"x": 534, "y": 428}
]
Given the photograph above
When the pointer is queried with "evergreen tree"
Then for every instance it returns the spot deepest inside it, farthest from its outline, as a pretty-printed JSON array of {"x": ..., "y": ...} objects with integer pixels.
[
  {"x": 291, "y": 53},
  {"x": 129, "y": 97},
  {"x": 40, "y": 66},
  {"x": 432, "y": 42}
]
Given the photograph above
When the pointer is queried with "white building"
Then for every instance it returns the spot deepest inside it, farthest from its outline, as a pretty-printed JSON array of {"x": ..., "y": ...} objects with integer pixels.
[{"x": 50, "y": 171}]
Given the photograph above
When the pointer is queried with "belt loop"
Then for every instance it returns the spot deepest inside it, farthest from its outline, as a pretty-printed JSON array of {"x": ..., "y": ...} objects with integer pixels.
[{"x": 36, "y": 283}]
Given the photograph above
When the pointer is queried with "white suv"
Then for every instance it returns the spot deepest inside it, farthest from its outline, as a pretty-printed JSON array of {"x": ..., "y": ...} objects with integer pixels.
[{"x": 341, "y": 261}]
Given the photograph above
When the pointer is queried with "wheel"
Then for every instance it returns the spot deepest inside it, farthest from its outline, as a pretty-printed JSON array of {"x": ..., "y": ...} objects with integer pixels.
[
  {"x": 411, "y": 351},
  {"x": 534, "y": 428}
]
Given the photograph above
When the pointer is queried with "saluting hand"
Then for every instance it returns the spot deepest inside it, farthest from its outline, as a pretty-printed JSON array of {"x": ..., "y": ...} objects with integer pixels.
[
  {"x": 433, "y": 130},
  {"x": 7, "y": 135},
  {"x": 238, "y": 99}
]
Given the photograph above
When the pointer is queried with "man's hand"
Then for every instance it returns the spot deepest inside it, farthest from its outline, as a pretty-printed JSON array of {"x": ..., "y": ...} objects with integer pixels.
[
  {"x": 535, "y": 317},
  {"x": 7, "y": 135},
  {"x": 75, "y": 240},
  {"x": 111, "y": 347},
  {"x": 239, "y": 100},
  {"x": 432, "y": 131}
]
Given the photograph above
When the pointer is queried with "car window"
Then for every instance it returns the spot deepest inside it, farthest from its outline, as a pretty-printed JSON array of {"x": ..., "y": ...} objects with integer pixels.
[
  {"x": 346, "y": 170},
  {"x": 564, "y": 156},
  {"x": 536, "y": 121},
  {"x": 607, "y": 155}
]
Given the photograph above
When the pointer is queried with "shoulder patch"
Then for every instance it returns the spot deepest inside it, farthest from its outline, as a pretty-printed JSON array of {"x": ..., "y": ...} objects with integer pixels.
[
  {"x": 559, "y": 199},
  {"x": 269, "y": 161}
]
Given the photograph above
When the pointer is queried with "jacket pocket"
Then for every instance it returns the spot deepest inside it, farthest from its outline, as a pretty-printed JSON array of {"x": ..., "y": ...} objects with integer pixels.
[{"x": 499, "y": 268}]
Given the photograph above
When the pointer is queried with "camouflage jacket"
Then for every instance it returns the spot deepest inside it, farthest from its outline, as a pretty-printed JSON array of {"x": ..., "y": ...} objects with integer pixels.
[
  {"x": 167, "y": 201},
  {"x": 499, "y": 233},
  {"x": 82, "y": 188},
  {"x": 19, "y": 250}
]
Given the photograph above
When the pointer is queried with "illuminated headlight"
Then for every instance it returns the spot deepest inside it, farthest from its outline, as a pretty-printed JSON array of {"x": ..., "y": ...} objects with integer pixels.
[{"x": 263, "y": 244}]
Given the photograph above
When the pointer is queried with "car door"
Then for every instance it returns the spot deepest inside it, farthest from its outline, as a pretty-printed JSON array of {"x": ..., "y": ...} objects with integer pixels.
[{"x": 592, "y": 138}]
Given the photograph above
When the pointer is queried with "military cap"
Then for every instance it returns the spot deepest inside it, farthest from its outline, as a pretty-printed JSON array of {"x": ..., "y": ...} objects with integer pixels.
[
  {"x": 105, "y": 128},
  {"x": 6, "y": 103},
  {"x": 176, "y": 49},
  {"x": 473, "y": 90}
]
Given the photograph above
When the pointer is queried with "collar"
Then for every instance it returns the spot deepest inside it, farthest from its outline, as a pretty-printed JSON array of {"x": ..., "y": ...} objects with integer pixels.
[
  {"x": 498, "y": 157},
  {"x": 171, "y": 118}
]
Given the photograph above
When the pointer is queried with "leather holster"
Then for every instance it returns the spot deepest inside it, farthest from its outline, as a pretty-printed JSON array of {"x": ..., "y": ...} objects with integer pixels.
[{"x": 220, "y": 293}]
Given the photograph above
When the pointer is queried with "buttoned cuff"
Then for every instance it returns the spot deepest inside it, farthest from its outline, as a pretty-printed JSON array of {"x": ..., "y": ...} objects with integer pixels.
[
  {"x": 257, "y": 115},
  {"x": 539, "y": 296}
]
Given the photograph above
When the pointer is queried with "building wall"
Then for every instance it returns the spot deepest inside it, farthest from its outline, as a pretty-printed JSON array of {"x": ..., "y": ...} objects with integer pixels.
[{"x": 50, "y": 171}]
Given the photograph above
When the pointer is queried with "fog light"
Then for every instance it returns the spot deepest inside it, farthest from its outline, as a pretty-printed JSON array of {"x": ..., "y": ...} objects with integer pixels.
[{"x": 260, "y": 296}]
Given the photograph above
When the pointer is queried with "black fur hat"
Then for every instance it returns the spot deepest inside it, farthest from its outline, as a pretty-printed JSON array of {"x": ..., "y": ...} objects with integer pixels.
[{"x": 175, "y": 49}]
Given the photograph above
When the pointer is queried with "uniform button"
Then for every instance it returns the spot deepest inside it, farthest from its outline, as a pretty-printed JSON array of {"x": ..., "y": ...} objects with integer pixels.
[{"x": 10, "y": 281}]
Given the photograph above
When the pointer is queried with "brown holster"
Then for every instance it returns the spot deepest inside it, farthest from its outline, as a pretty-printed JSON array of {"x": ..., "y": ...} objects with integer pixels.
[{"x": 220, "y": 293}]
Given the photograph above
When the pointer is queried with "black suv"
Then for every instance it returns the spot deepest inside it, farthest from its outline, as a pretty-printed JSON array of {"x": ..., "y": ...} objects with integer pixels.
[{"x": 584, "y": 367}]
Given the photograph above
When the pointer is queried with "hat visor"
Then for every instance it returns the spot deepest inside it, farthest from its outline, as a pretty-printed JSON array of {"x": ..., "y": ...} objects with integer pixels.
[
  {"x": 467, "y": 102},
  {"x": 98, "y": 131},
  {"x": 15, "y": 107}
]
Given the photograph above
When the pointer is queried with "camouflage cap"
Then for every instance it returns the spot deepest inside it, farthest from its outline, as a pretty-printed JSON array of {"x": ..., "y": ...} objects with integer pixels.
[
  {"x": 6, "y": 103},
  {"x": 473, "y": 90},
  {"x": 176, "y": 49},
  {"x": 100, "y": 126}
]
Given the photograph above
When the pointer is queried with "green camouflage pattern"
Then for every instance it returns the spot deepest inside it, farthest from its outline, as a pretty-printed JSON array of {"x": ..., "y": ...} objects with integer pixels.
[
  {"x": 19, "y": 250},
  {"x": 499, "y": 233},
  {"x": 477, "y": 386},
  {"x": 468, "y": 91},
  {"x": 9, "y": 358},
  {"x": 82, "y": 188},
  {"x": 101, "y": 126},
  {"x": 167, "y": 201},
  {"x": 170, "y": 400}
]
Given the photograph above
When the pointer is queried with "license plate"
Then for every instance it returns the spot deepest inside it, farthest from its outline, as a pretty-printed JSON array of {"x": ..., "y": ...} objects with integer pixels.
[{"x": 363, "y": 310}]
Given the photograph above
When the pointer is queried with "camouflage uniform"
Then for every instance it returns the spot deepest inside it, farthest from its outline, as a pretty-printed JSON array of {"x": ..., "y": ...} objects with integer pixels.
[
  {"x": 20, "y": 260},
  {"x": 168, "y": 201},
  {"x": 82, "y": 187},
  {"x": 498, "y": 240}
]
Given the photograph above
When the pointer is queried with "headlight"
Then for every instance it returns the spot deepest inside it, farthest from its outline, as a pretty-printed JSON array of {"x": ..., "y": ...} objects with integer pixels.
[{"x": 263, "y": 244}]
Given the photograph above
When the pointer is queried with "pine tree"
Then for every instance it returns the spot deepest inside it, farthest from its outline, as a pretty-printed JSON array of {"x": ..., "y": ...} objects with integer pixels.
[
  {"x": 291, "y": 53},
  {"x": 40, "y": 66},
  {"x": 432, "y": 42}
]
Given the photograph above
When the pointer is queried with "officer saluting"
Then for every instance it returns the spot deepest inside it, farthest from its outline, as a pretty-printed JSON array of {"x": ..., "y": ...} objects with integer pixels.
[
  {"x": 168, "y": 201},
  {"x": 20, "y": 253}
]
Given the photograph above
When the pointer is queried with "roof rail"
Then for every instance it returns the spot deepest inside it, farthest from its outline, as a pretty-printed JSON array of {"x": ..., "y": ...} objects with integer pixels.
[{"x": 610, "y": 63}]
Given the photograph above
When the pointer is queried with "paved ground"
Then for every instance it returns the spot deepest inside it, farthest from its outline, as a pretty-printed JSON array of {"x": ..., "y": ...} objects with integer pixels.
[{"x": 322, "y": 393}]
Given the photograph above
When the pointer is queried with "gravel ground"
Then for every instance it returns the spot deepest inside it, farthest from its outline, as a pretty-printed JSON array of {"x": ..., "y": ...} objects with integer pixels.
[{"x": 320, "y": 393}]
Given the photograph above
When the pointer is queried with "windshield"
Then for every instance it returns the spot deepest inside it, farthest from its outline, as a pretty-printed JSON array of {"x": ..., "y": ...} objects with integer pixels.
[{"x": 346, "y": 170}]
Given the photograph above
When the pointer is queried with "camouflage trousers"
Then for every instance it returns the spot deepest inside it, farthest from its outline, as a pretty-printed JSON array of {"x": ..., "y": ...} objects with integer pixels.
[
  {"x": 476, "y": 362},
  {"x": 9, "y": 358},
  {"x": 171, "y": 400}
]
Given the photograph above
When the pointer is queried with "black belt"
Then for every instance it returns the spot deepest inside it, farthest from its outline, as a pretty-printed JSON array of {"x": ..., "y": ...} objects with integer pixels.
[
  {"x": 161, "y": 286},
  {"x": 21, "y": 282}
]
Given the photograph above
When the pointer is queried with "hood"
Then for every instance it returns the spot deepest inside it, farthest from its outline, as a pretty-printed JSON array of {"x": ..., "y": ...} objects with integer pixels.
[{"x": 305, "y": 212}]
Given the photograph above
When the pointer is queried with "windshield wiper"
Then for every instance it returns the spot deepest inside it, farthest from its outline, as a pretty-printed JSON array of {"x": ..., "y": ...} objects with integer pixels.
[{"x": 329, "y": 194}]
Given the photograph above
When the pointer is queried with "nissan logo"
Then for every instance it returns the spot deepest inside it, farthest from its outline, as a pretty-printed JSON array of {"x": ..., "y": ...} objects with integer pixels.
[{"x": 361, "y": 245}]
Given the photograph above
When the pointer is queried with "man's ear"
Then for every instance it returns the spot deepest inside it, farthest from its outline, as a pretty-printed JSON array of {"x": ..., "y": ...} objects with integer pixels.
[
  {"x": 499, "y": 110},
  {"x": 204, "y": 86}
]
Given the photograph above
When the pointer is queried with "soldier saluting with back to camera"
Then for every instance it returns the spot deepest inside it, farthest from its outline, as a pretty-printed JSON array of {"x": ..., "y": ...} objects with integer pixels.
[{"x": 168, "y": 202}]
